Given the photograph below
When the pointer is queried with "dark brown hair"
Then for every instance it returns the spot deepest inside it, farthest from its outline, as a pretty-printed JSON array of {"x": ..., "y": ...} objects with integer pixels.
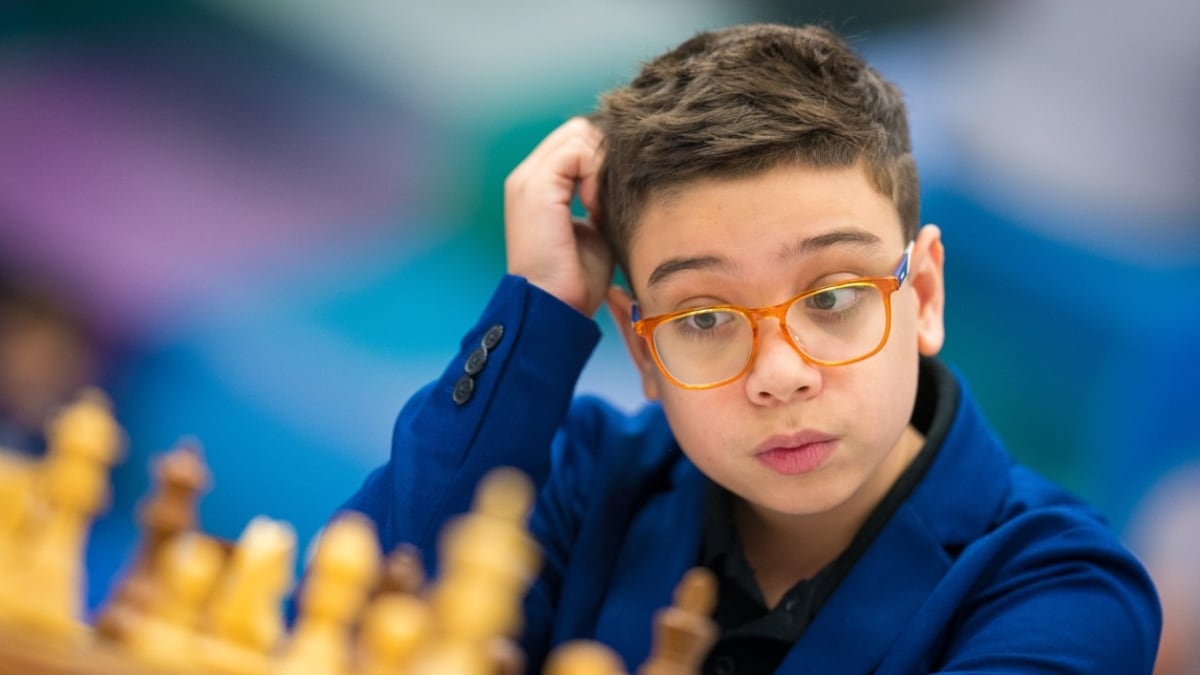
[{"x": 743, "y": 100}]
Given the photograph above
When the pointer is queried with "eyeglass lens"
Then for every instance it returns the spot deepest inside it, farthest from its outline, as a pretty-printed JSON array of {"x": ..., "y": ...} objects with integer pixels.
[{"x": 838, "y": 324}]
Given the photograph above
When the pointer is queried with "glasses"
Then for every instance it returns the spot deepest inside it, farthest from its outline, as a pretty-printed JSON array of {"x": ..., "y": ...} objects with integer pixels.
[{"x": 834, "y": 325}]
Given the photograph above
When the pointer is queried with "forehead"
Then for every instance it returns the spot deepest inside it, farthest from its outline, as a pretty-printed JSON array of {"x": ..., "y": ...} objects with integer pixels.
[{"x": 749, "y": 222}]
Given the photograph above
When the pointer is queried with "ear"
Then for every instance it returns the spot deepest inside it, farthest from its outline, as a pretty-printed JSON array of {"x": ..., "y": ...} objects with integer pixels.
[
  {"x": 928, "y": 282},
  {"x": 620, "y": 305}
]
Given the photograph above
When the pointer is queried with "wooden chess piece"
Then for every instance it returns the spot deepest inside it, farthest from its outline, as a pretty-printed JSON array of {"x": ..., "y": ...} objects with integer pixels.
[
  {"x": 343, "y": 570},
  {"x": 179, "y": 477},
  {"x": 488, "y": 561},
  {"x": 84, "y": 442},
  {"x": 395, "y": 627},
  {"x": 245, "y": 624},
  {"x": 164, "y": 634},
  {"x": 17, "y": 499},
  {"x": 397, "y": 623},
  {"x": 583, "y": 657},
  {"x": 685, "y": 631},
  {"x": 402, "y": 572},
  {"x": 505, "y": 655}
]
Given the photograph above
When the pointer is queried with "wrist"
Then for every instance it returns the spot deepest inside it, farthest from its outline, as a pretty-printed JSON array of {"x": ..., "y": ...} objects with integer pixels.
[{"x": 564, "y": 292}]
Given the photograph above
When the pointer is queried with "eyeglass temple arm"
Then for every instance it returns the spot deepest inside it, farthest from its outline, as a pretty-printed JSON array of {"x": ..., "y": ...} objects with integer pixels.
[{"x": 901, "y": 272}]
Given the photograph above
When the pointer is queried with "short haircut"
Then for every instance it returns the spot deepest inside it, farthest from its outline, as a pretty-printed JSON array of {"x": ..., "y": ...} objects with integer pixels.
[{"x": 743, "y": 100}]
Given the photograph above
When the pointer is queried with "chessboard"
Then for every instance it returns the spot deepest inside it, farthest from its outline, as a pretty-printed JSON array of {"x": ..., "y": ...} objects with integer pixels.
[{"x": 192, "y": 603}]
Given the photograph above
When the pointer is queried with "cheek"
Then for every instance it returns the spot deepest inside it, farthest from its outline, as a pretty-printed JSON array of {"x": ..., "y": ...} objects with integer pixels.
[
  {"x": 702, "y": 421},
  {"x": 894, "y": 386},
  {"x": 876, "y": 396},
  {"x": 903, "y": 333}
]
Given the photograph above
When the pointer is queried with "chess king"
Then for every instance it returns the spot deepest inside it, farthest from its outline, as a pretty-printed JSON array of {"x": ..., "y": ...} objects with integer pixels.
[{"x": 802, "y": 440}]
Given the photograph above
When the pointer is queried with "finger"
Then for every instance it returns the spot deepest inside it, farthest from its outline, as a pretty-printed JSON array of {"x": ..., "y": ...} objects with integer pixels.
[
  {"x": 574, "y": 129},
  {"x": 571, "y": 156},
  {"x": 589, "y": 180},
  {"x": 572, "y": 166},
  {"x": 551, "y": 177}
]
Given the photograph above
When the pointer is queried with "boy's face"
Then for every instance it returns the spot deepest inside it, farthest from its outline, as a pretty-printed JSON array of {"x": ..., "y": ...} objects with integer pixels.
[{"x": 788, "y": 436}]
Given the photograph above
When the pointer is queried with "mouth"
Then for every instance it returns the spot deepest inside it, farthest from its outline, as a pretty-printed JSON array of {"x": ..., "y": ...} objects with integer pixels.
[{"x": 796, "y": 454}]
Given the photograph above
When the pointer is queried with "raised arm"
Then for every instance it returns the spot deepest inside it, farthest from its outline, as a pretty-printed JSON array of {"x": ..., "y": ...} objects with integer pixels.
[{"x": 506, "y": 392}]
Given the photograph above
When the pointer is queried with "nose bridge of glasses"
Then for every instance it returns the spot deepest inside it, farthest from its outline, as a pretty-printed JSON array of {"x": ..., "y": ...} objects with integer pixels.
[{"x": 778, "y": 313}]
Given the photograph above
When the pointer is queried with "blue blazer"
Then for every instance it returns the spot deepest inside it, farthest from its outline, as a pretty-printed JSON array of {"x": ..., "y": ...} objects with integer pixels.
[{"x": 985, "y": 567}]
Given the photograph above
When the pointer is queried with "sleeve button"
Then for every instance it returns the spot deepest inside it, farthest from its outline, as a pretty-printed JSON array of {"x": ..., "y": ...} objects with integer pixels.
[
  {"x": 476, "y": 361},
  {"x": 492, "y": 337},
  {"x": 463, "y": 389}
]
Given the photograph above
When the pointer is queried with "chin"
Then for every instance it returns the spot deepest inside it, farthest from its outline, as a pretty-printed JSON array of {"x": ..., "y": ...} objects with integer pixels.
[{"x": 801, "y": 502}]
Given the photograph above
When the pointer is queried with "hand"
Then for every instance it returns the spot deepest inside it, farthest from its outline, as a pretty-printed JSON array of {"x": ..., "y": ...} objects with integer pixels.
[{"x": 565, "y": 257}]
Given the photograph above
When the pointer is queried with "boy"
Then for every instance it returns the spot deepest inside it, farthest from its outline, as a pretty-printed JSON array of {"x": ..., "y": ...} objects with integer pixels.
[{"x": 756, "y": 186}]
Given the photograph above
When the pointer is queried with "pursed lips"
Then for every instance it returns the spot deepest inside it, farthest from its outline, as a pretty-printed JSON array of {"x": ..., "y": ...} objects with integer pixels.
[
  {"x": 794, "y": 441},
  {"x": 795, "y": 454}
]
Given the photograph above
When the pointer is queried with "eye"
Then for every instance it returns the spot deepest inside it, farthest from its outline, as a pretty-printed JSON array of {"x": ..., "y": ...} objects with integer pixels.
[
  {"x": 706, "y": 321},
  {"x": 834, "y": 299},
  {"x": 706, "y": 324}
]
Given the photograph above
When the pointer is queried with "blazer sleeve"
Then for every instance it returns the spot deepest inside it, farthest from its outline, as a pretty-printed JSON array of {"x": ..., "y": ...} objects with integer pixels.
[{"x": 500, "y": 402}]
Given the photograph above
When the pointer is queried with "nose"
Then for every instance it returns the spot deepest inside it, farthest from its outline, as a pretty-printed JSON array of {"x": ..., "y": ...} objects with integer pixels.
[{"x": 779, "y": 373}]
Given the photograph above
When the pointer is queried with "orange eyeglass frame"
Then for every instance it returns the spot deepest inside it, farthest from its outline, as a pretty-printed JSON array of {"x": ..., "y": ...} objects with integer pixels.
[{"x": 887, "y": 285}]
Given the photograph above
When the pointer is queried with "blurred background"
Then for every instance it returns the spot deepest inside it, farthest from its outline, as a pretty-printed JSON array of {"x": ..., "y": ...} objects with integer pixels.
[{"x": 264, "y": 224}]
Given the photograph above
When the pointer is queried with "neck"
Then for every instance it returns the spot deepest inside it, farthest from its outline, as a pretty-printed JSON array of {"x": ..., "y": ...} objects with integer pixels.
[{"x": 784, "y": 548}]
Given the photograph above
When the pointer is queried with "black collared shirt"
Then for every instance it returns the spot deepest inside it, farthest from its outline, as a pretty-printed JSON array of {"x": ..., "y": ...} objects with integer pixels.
[{"x": 755, "y": 639}]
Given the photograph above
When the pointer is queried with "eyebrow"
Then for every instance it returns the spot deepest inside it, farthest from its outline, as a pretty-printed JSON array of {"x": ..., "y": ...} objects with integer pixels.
[
  {"x": 803, "y": 247},
  {"x": 859, "y": 238},
  {"x": 676, "y": 265}
]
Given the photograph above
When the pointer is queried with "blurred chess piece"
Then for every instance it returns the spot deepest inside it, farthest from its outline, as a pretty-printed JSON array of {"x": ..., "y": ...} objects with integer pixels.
[
  {"x": 583, "y": 657},
  {"x": 16, "y": 506},
  {"x": 245, "y": 624},
  {"x": 395, "y": 627},
  {"x": 487, "y": 562},
  {"x": 192, "y": 603},
  {"x": 71, "y": 486},
  {"x": 344, "y": 568},
  {"x": 685, "y": 631},
  {"x": 164, "y": 634},
  {"x": 398, "y": 621},
  {"x": 505, "y": 656},
  {"x": 170, "y": 511},
  {"x": 402, "y": 572}
]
